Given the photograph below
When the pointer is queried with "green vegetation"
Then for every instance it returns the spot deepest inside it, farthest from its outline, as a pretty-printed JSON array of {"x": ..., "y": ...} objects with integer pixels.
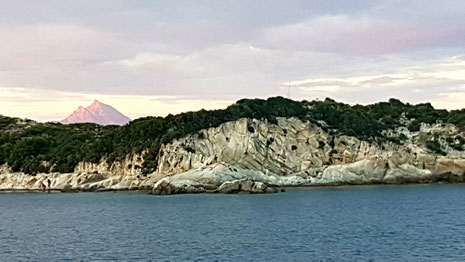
[
  {"x": 33, "y": 148},
  {"x": 42, "y": 147},
  {"x": 434, "y": 146}
]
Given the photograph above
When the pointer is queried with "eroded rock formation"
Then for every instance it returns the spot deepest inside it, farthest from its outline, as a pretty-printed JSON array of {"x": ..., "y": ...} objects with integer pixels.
[{"x": 253, "y": 156}]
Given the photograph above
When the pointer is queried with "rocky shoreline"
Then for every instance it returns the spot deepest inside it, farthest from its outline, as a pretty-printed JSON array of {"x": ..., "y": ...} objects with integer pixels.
[
  {"x": 255, "y": 156},
  {"x": 228, "y": 187},
  {"x": 218, "y": 178}
]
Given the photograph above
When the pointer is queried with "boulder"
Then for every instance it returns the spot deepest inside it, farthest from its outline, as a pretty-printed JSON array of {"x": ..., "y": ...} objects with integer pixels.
[
  {"x": 229, "y": 187},
  {"x": 258, "y": 187},
  {"x": 162, "y": 187},
  {"x": 244, "y": 186}
]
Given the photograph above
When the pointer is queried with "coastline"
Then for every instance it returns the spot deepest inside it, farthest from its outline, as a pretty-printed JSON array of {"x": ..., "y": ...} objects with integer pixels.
[
  {"x": 255, "y": 156},
  {"x": 274, "y": 189}
]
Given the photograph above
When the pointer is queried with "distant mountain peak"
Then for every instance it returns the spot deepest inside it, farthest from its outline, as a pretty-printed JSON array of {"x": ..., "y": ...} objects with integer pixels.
[
  {"x": 97, "y": 104},
  {"x": 98, "y": 113}
]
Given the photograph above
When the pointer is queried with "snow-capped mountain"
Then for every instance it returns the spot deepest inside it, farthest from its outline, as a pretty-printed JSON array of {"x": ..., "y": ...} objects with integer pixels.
[{"x": 98, "y": 113}]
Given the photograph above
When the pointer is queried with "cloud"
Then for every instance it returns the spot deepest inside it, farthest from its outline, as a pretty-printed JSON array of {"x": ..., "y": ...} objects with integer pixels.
[
  {"x": 223, "y": 70},
  {"x": 441, "y": 83},
  {"x": 362, "y": 35},
  {"x": 150, "y": 59},
  {"x": 32, "y": 46}
]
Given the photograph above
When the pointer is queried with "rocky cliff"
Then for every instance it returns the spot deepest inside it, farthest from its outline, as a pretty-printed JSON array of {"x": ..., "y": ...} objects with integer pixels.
[
  {"x": 293, "y": 153},
  {"x": 250, "y": 155}
]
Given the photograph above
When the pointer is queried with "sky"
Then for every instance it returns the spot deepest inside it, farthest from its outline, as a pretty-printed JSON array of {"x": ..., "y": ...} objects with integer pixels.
[{"x": 161, "y": 57}]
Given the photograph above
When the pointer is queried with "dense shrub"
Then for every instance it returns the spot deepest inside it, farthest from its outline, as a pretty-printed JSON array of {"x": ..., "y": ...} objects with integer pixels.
[{"x": 434, "y": 146}]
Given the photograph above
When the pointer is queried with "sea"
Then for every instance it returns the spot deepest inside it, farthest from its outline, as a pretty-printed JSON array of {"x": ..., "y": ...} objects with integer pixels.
[{"x": 351, "y": 223}]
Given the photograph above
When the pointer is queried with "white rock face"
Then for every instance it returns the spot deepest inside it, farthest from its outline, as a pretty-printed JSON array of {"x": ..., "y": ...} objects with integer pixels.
[
  {"x": 73, "y": 182},
  {"x": 255, "y": 156},
  {"x": 98, "y": 113},
  {"x": 124, "y": 175},
  {"x": 293, "y": 153}
]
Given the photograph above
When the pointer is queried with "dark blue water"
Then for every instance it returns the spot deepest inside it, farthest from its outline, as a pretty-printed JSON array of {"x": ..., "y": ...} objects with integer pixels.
[{"x": 380, "y": 223}]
